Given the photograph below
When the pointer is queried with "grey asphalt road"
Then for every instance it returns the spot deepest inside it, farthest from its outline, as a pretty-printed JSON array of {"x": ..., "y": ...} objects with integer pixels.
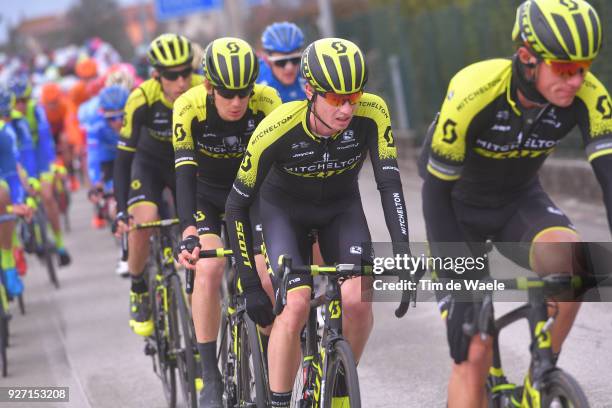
[{"x": 78, "y": 336}]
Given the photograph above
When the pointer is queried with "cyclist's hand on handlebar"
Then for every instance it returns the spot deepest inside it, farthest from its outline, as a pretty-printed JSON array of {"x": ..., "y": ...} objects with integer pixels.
[
  {"x": 121, "y": 224},
  {"x": 189, "y": 251},
  {"x": 23, "y": 210},
  {"x": 258, "y": 305}
]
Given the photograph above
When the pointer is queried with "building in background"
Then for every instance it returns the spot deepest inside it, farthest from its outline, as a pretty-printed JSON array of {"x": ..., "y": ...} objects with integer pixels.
[{"x": 36, "y": 35}]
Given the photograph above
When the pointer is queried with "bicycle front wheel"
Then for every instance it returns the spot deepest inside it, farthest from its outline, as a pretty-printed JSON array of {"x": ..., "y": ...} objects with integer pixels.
[
  {"x": 48, "y": 249},
  {"x": 164, "y": 362},
  {"x": 3, "y": 335},
  {"x": 561, "y": 390},
  {"x": 184, "y": 343},
  {"x": 341, "y": 380},
  {"x": 252, "y": 383}
]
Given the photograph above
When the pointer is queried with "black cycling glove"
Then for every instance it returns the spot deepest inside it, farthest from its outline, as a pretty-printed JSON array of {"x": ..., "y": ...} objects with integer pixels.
[{"x": 258, "y": 305}]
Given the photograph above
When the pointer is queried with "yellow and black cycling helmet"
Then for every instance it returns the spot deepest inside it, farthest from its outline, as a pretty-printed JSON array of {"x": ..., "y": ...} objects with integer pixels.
[
  {"x": 170, "y": 50},
  {"x": 567, "y": 30},
  {"x": 230, "y": 63},
  {"x": 334, "y": 65}
]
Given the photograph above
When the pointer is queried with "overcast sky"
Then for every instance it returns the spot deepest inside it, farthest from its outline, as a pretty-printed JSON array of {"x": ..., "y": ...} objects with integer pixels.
[{"x": 14, "y": 10}]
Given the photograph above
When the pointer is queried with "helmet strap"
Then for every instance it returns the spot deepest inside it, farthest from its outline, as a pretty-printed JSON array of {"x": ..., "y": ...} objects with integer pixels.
[
  {"x": 524, "y": 83},
  {"x": 312, "y": 110}
]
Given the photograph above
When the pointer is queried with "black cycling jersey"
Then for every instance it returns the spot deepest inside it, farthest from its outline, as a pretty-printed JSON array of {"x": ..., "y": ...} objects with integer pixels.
[
  {"x": 147, "y": 130},
  {"x": 316, "y": 170},
  {"x": 487, "y": 148},
  {"x": 212, "y": 147},
  {"x": 480, "y": 164}
]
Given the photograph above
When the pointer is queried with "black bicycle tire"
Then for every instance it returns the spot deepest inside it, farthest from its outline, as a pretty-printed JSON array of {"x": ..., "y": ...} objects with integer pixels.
[
  {"x": 341, "y": 354},
  {"x": 167, "y": 368},
  {"x": 48, "y": 252},
  {"x": 262, "y": 392},
  {"x": 243, "y": 372},
  {"x": 21, "y": 304},
  {"x": 224, "y": 343},
  {"x": 3, "y": 341},
  {"x": 559, "y": 382},
  {"x": 64, "y": 209},
  {"x": 186, "y": 357}
]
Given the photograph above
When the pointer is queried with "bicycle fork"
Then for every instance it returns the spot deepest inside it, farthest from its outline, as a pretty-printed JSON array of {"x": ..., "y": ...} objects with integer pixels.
[
  {"x": 332, "y": 330},
  {"x": 542, "y": 359}
]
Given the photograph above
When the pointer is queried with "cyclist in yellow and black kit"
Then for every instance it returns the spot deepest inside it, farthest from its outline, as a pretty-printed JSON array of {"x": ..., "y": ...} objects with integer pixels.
[
  {"x": 500, "y": 120},
  {"x": 145, "y": 159},
  {"x": 310, "y": 153},
  {"x": 212, "y": 127}
]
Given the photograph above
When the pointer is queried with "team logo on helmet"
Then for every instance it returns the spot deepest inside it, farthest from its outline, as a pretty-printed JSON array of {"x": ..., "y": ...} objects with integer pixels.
[{"x": 339, "y": 47}]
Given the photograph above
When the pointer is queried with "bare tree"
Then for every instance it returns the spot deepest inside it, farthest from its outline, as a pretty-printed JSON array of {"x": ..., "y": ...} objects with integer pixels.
[{"x": 98, "y": 18}]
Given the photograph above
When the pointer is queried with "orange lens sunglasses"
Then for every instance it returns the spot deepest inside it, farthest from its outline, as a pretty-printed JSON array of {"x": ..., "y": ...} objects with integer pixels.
[
  {"x": 569, "y": 68},
  {"x": 339, "y": 100}
]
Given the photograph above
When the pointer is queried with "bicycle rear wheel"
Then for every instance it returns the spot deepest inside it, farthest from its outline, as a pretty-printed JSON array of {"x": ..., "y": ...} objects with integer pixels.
[
  {"x": 183, "y": 342},
  {"x": 252, "y": 380},
  {"x": 341, "y": 380},
  {"x": 561, "y": 390}
]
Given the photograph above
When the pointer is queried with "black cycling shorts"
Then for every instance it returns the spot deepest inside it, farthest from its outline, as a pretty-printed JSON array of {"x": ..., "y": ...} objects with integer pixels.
[
  {"x": 149, "y": 178},
  {"x": 211, "y": 208},
  {"x": 287, "y": 222},
  {"x": 519, "y": 221}
]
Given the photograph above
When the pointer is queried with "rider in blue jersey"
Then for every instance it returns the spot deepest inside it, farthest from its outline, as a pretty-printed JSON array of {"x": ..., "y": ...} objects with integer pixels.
[
  {"x": 30, "y": 114},
  {"x": 11, "y": 194},
  {"x": 20, "y": 131},
  {"x": 103, "y": 135},
  {"x": 282, "y": 44},
  {"x": 34, "y": 114}
]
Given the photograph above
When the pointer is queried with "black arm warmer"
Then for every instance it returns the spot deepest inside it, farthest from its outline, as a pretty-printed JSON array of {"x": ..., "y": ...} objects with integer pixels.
[
  {"x": 186, "y": 187},
  {"x": 121, "y": 178},
  {"x": 603, "y": 171}
]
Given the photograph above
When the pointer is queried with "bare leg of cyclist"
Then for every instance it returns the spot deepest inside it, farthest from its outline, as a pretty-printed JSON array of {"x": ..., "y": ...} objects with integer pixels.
[
  {"x": 284, "y": 362},
  {"x": 553, "y": 252},
  {"x": 138, "y": 240},
  {"x": 6, "y": 228},
  {"x": 138, "y": 246},
  {"x": 7, "y": 261},
  {"x": 357, "y": 316},
  {"x": 206, "y": 306},
  {"x": 53, "y": 214},
  {"x": 50, "y": 204},
  {"x": 466, "y": 387},
  {"x": 266, "y": 283}
]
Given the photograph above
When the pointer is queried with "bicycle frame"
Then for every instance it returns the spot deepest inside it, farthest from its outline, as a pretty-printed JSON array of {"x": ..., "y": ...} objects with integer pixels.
[
  {"x": 535, "y": 311},
  {"x": 542, "y": 358},
  {"x": 235, "y": 321},
  {"x": 169, "y": 311},
  {"x": 315, "y": 348}
]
